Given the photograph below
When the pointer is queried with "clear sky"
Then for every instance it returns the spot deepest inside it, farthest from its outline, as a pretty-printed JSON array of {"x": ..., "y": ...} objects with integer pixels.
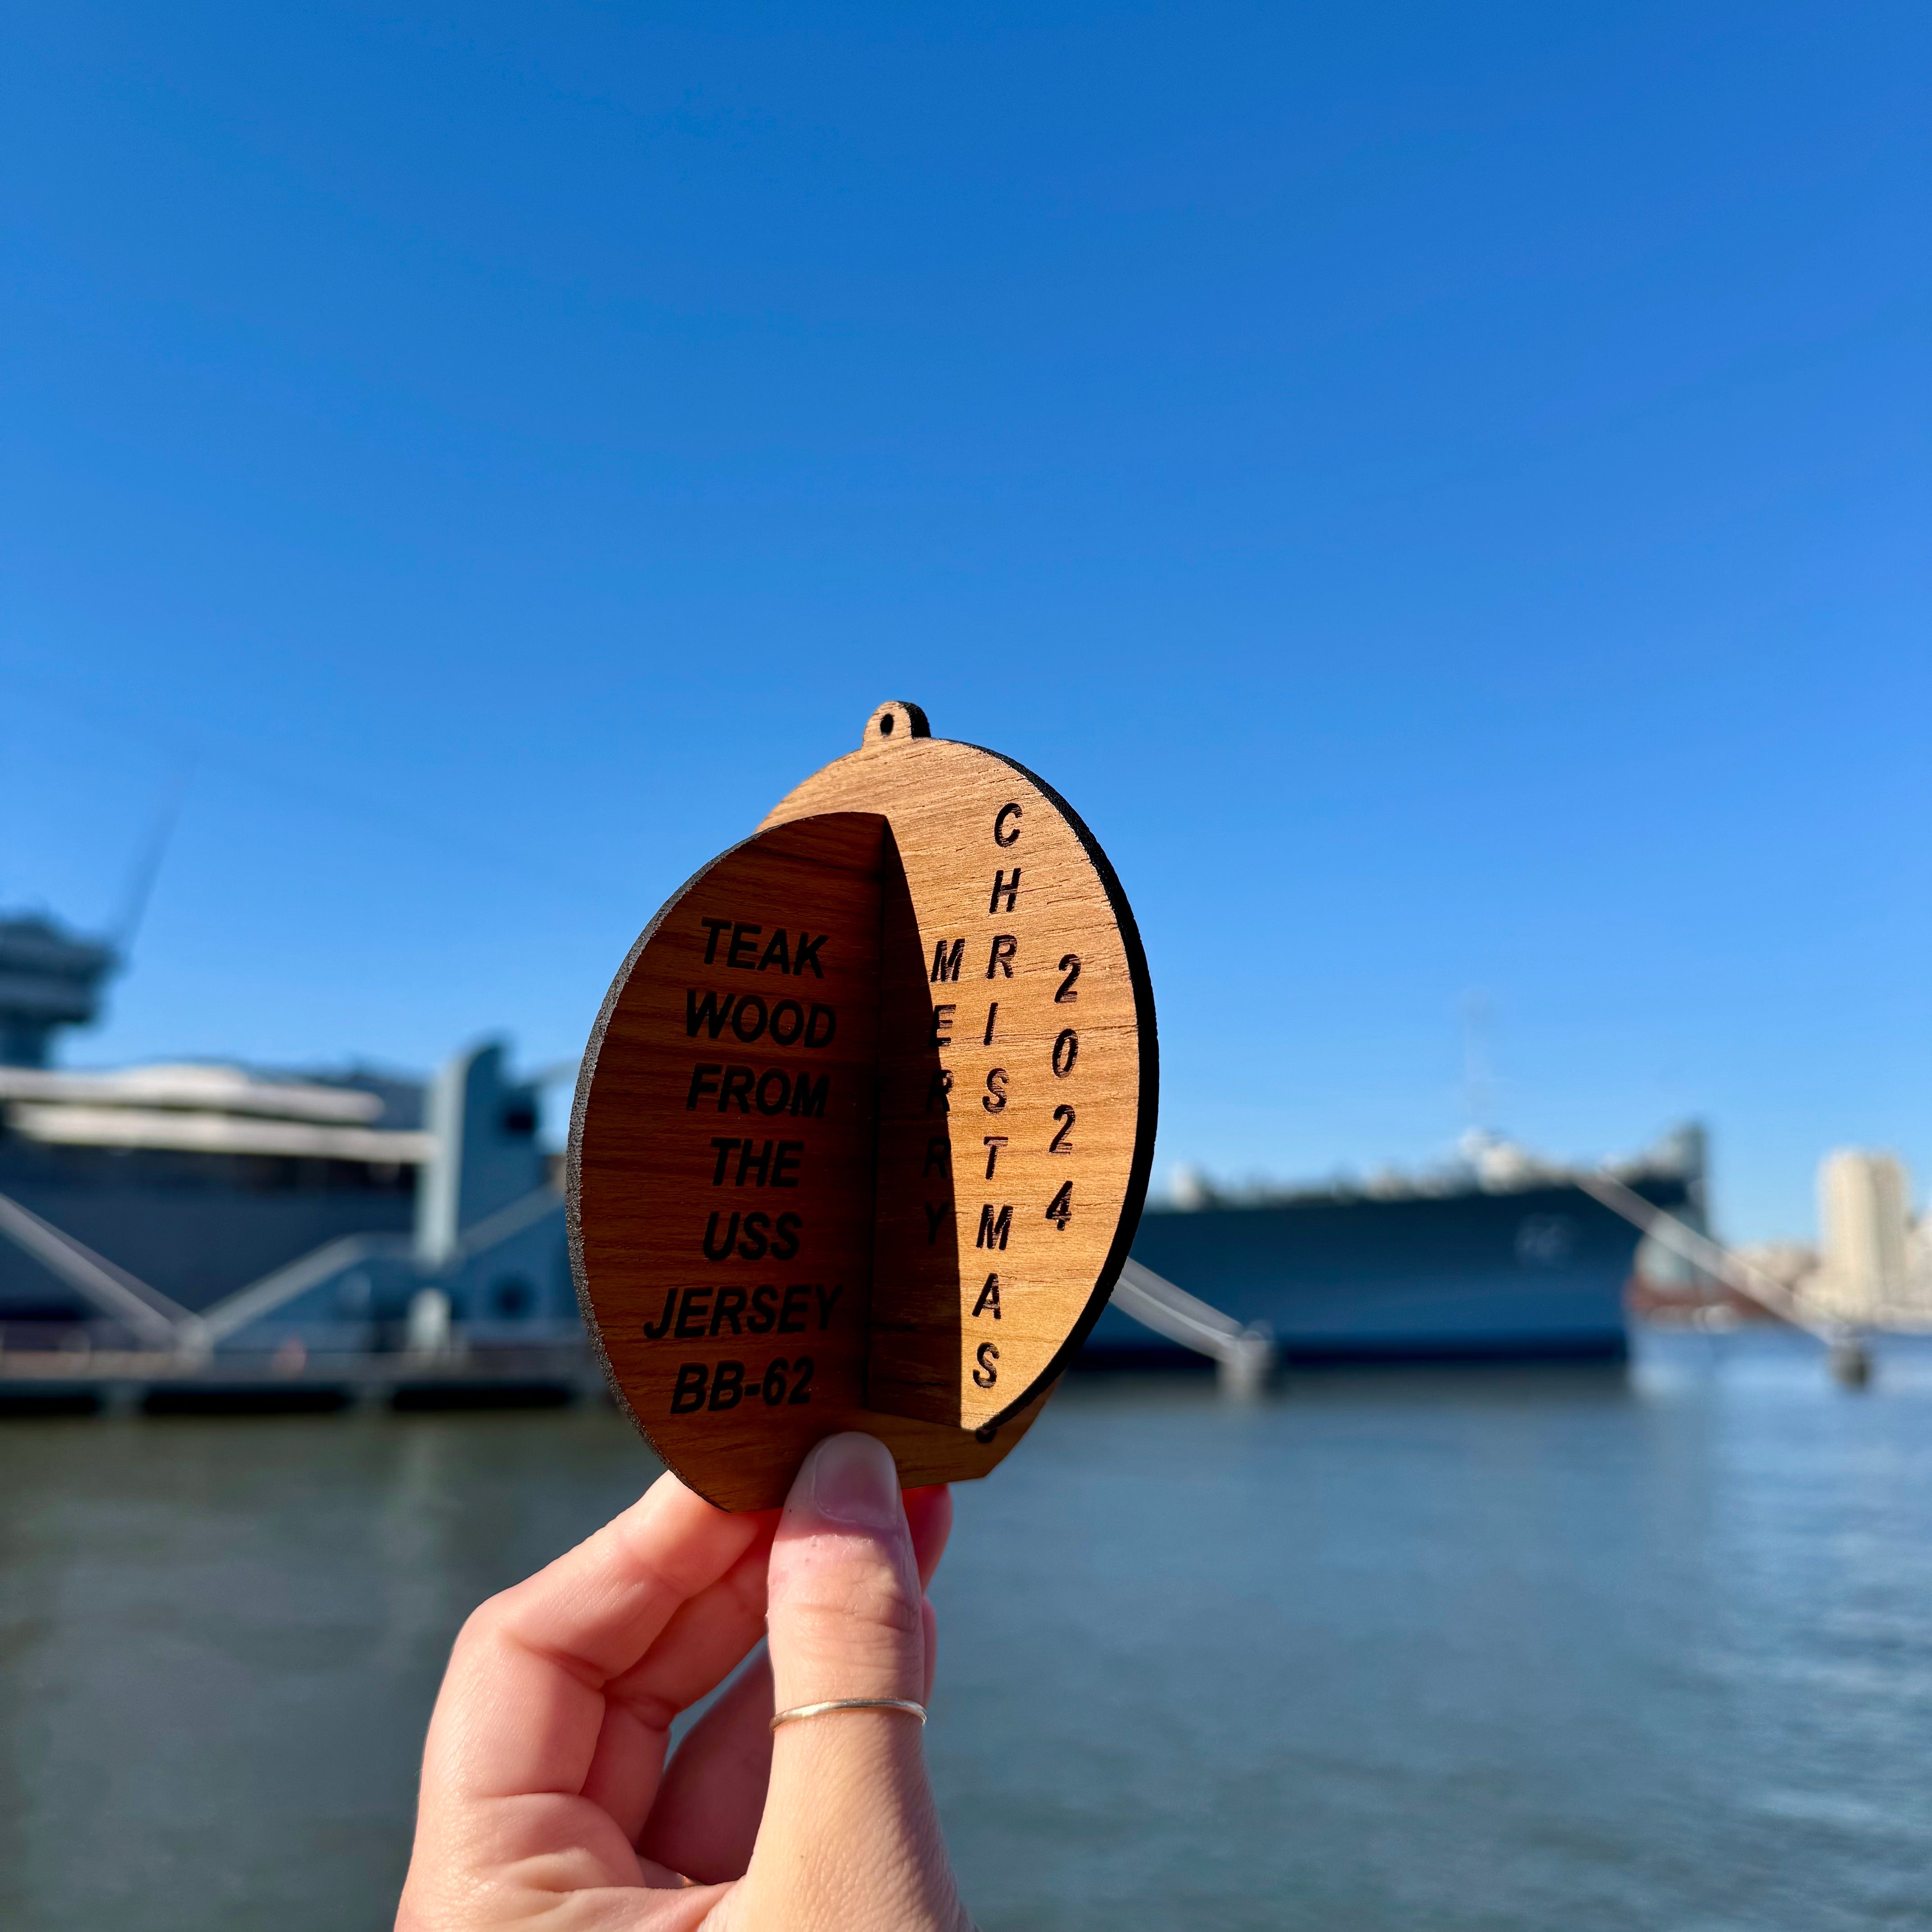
[{"x": 1444, "y": 491}]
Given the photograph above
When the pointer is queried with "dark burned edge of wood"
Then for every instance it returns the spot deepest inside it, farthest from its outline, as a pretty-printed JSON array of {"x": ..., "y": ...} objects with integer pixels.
[{"x": 917, "y": 725}]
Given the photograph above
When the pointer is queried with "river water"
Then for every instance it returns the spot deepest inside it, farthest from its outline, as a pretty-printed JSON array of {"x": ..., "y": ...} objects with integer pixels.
[{"x": 1546, "y": 1650}]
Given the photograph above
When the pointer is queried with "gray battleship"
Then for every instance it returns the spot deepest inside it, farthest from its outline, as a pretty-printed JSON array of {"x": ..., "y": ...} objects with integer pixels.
[
  {"x": 1499, "y": 1257},
  {"x": 324, "y": 1230}
]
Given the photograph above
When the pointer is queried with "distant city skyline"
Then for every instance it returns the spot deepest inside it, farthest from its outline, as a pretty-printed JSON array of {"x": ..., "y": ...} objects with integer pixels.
[{"x": 1445, "y": 498}]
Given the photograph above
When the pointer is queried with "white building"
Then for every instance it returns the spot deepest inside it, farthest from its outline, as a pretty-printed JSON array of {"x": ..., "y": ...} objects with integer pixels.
[{"x": 1872, "y": 1268}]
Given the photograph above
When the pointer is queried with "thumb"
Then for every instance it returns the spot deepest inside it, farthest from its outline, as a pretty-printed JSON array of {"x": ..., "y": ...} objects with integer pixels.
[{"x": 850, "y": 1837}]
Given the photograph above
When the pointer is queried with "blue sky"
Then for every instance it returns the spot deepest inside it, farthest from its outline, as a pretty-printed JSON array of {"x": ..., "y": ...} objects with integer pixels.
[{"x": 1444, "y": 491}]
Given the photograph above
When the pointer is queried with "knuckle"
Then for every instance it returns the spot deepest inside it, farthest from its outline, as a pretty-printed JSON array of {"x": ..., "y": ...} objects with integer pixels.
[
  {"x": 847, "y": 1577},
  {"x": 485, "y": 1625},
  {"x": 828, "y": 1656},
  {"x": 872, "y": 1602},
  {"x": 854, "y": 1610}
]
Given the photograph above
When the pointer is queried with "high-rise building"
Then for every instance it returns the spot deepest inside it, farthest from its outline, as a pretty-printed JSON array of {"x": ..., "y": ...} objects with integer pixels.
[{"x": 1865, "y": 1216}]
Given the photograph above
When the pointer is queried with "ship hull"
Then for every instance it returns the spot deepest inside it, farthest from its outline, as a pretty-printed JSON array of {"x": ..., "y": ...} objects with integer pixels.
[{"x": 1536, "y": 1274}]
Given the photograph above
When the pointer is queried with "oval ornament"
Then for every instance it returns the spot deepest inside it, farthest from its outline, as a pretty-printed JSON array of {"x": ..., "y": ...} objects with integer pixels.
[{"x": 864, "y": 1129}]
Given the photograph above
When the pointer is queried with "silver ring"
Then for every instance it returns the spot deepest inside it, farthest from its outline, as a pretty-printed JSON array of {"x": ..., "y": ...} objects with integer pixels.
[{"x": 797, "y": 1711}]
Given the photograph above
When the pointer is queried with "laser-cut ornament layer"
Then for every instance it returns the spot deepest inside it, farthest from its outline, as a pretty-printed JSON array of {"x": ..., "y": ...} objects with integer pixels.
[{"x": 740, "y": 1074}]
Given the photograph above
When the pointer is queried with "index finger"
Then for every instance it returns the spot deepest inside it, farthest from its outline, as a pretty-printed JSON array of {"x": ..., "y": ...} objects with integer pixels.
[{"x": 522, "y": 1702}]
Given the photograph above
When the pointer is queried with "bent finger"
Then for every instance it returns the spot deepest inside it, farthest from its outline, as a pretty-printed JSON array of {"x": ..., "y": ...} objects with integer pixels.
[
  {"x": 706, "y": 1818},
  {"x": 706, "y": 1639},
  {"x": 523, "y": 1703}
]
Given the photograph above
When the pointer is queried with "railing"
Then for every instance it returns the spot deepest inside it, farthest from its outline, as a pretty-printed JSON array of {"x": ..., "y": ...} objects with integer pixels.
[
  {"x": 1243, "y": 1358},
  {"x": 1850, "y": 1356},
  {"x": 155, "y": 1319},
  {"x": 159, "y": 1323}
]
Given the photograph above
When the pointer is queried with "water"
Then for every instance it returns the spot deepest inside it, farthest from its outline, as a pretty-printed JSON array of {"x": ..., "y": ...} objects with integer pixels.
[{"x": 1533, "y": 1650}]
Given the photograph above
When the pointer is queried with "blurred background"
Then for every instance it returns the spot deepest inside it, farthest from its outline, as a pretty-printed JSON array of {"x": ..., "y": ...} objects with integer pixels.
[{"x": 1444, "y": 495}]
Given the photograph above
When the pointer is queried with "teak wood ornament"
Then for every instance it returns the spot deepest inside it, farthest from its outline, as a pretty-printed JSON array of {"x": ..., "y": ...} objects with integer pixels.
[{"x": 863, "y": 1130}]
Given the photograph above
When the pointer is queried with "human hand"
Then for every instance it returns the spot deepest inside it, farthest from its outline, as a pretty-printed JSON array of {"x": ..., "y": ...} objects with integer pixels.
[{"x": 546, "y": 1798}]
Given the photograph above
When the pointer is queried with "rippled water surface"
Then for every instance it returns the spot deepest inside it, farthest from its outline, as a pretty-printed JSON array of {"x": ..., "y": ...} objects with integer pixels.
[{"x": 1532, "y": 1650}]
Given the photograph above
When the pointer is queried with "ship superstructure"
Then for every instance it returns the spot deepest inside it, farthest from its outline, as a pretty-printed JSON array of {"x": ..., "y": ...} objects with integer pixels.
[
  {"x": 226, "y": 1215},
  {"x": 50, "y": 978}
]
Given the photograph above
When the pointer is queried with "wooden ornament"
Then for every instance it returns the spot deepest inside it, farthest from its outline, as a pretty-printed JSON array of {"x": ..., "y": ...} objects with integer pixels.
[{"x": 863, "y": 1131}]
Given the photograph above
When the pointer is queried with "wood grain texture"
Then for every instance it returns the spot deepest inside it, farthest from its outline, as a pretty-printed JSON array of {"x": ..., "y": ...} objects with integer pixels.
[
  {"x": 721, "y": 1170},
  {"x": 863, "y": 1132},
  {"x": 1005, "y": 1206}
]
